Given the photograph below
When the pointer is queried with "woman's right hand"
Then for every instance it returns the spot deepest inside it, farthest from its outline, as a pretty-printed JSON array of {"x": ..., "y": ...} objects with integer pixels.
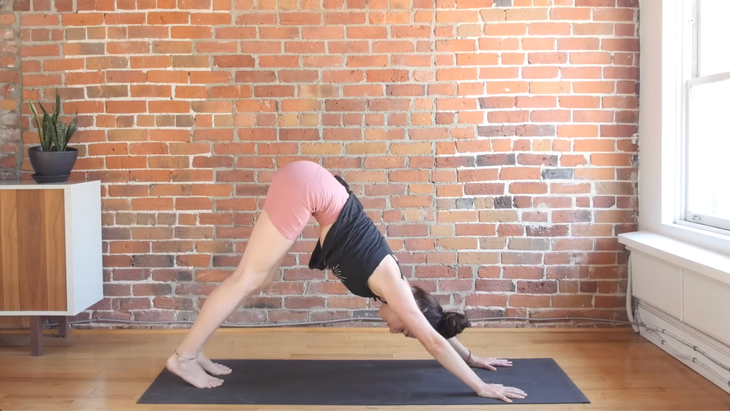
[{"x": 501, "y": 392}]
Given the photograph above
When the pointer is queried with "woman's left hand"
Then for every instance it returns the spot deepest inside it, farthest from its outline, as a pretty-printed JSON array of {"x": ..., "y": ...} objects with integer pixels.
[{"x": 490, "y": 363}]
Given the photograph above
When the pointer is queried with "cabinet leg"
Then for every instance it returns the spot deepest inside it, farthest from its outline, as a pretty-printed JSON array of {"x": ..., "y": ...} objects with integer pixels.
[
  {"x": 63, "y": 326},
  {"x": 36, "y": 336}
]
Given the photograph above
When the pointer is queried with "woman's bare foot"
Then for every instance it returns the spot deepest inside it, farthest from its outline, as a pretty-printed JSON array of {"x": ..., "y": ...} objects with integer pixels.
[
  {"x": 212, "y": 368},
  {"x": 192, "y": 372}
]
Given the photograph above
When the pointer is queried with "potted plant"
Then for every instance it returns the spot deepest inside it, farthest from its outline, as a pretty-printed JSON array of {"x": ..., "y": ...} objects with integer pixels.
[{"x": 52, "y": 160}]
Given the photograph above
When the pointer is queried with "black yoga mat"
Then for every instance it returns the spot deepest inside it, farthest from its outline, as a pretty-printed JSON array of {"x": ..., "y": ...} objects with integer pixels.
[{"x": 364, "y": 382}]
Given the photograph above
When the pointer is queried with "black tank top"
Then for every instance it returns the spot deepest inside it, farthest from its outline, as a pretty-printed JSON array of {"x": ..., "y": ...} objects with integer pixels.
[{"x": 353, "y": 248}]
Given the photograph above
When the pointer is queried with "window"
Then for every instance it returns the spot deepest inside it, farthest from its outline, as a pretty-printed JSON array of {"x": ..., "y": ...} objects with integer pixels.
[
  {"x": 669, "y": 66},
  {"x": 707, "y": 141}
]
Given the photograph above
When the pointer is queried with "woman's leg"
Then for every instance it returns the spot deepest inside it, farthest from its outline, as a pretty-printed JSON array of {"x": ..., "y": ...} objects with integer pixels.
[
  {"x": 219, "y": 369},
  {"x": 265, "y": 248}
]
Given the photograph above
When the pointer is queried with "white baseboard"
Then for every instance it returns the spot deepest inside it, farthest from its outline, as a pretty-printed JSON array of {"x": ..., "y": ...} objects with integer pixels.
[{"x": 654, "y": 317}]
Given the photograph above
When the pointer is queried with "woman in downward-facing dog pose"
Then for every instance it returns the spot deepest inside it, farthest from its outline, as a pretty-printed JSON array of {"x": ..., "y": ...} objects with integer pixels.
[{"x": 357, "y": 254}]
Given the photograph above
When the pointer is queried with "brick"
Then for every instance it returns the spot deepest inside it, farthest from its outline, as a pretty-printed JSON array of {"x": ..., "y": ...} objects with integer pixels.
[
  {"x": 523, "y": 272},
  {"x": 484, "y": 189},
  {"x": 477, "y": 258},
  {"x": 151, "y": 289},
  {"x": 478, "y": 175},
  {"x": 621, "y": 102},
  {"x": 558, "y": 174},
  {"x": 521, "y": 258},
  {"x": 550, "y": 87},
  {"x": 494, "y": 285},
  {"x": 613, "y": 14},
  {"x": 541, "y": 43},
  {"x": 628, "y": 73},
  {"x": 572, "y": 301},
  {"x": 536, "y": 301},
  {"x": 620, "y": 45},
  {"x": 408, "y": 230},
  {"x": 372, "y": 32},
  {"x": 295, "y": 302},
  {"x": 232, "y": 61},
  {"x": 547, "y": 58},
  {"x": 435, "y": 272},
  {"x": 572, "y": 216},
  {"x": 627, "y": 30},
  {"x": 537, "y": 287},
  {"x": 519, "y": 173},
  {"x": 486, "y": 300},
  {"x": 488, "y": 160},
  {"x": 475, "y": 229},
  {"x": 536, "y": 159},
  {"x": 117, "y": 290},
  {"x": 506, "y": 29}
]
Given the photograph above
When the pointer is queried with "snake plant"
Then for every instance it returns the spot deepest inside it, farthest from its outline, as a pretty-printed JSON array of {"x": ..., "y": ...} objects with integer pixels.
[{"x": 53, "y": 132}]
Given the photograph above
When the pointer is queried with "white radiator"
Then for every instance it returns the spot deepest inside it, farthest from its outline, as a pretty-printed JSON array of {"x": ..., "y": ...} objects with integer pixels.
[{"x": 686, "y": 313}]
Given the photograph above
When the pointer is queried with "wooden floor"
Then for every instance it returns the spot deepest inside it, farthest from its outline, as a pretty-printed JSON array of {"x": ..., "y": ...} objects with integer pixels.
[{"x": 109, "y": 370}]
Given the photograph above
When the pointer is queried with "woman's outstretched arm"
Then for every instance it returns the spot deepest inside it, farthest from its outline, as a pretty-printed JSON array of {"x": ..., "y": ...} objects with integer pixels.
[
  {"x": 473, "y": 360},
  {"x": 388, "y": 284}
]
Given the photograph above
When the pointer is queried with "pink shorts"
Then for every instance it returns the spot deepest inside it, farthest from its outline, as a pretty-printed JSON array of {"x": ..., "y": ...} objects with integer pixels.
[{"x": 300, "y": 190}]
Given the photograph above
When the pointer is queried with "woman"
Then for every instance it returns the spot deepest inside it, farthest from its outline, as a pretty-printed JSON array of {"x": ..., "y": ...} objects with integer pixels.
[{"x": 355, "y": 251}]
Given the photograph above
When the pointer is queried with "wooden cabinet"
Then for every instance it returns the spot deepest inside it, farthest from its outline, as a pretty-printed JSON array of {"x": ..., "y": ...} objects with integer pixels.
[{"x": 50, "y": 251}]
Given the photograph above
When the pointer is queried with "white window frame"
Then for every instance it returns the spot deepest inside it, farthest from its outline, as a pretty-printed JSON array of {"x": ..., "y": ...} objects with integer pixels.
[
  {"x": 691, "y": 79},
  {"x": 666, "y": 38}
]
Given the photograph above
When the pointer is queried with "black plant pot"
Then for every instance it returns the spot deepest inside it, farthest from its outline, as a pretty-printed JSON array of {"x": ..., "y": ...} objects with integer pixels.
[{"x": 52, "y": 166}]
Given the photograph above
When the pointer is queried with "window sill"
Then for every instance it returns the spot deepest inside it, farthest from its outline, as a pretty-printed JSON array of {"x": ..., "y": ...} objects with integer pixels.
[{"x": 700, "y": 260}]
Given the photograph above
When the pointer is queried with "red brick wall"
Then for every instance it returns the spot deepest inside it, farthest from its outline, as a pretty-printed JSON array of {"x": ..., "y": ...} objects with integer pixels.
[
  {"x": 493, "y": 145},
  {"x": 10, "y": 144}
]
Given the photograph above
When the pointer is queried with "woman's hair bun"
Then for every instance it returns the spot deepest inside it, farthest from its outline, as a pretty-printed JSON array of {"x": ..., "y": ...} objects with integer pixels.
[
  {"x": 448, "y": 324},
  {"x": 454, "y": 324}
]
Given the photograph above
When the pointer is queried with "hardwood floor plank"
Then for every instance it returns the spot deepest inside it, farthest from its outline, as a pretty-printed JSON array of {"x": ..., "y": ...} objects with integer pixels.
[
  {"x": 35, "y": 405},
  {"x": 114, "y": 405},
  {"x": 54, "y": 389}
]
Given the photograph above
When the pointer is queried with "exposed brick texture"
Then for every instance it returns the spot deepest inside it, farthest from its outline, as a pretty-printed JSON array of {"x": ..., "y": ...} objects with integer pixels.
[
  {"x": 10, "y": 94},
  {"x": 494, "y": 145}
]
